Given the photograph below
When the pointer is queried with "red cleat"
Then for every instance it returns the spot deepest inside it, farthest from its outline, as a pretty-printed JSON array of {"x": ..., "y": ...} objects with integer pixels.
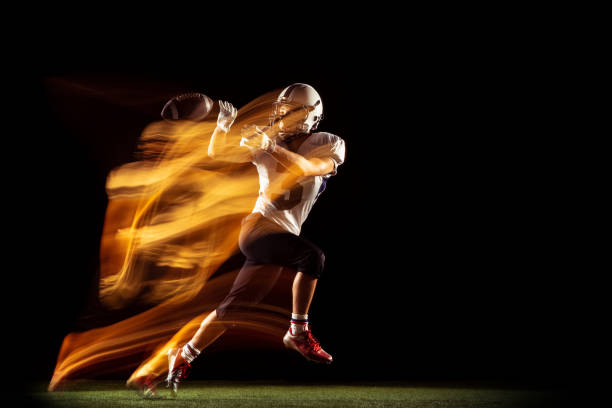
[
  {"x": 307, "y": 345},
  {"x": 178, "y": 369}
]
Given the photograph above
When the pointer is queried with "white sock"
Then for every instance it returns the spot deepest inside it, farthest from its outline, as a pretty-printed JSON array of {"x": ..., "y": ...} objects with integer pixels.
[
  {"x": 189, "y": 352},
  {"x": 299, "y": 323}
]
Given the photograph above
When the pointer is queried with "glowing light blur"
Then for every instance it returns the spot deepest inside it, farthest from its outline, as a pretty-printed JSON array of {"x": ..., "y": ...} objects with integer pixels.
[{"x": 172, "y": 220}]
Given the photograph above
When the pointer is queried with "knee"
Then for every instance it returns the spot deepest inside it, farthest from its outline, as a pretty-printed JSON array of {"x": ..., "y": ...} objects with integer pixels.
[
  {"x": 321, "y": 258},
  {"x": 317, "y": 262},
  {"x": 215, "y": 320},
  {"x": 220, "y": 311}
]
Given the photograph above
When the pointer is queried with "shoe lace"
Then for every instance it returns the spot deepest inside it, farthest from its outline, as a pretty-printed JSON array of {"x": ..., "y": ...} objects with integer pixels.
[
  {"x": 313, "y": 342},
  {"x": 183, "y": 371}
]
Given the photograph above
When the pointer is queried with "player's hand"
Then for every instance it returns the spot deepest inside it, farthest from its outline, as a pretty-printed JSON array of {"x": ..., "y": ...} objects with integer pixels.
[
  {"x": 256, "y": 139},
  {"x": 227, "y": 115}
]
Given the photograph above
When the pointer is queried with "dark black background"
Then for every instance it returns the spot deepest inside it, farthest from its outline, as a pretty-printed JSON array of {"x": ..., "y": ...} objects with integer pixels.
[{"x": 442, "y": 230}]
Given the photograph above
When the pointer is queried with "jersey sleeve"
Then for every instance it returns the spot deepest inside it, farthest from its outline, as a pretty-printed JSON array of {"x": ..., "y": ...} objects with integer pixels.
[{"x": 327, "y": 145}]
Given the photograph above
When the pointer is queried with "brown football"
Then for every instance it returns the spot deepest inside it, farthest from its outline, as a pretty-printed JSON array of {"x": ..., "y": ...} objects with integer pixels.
[{"x": 189, "y": 106}]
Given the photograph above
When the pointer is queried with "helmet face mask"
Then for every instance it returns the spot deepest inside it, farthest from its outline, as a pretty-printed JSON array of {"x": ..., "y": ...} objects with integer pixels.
[
  {"x": 289, "y": 117},
  {"x": 298, "y": 109}
]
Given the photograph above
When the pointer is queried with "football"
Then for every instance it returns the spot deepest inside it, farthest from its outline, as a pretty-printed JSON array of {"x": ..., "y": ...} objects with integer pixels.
[{"x": 189, "y": 106}]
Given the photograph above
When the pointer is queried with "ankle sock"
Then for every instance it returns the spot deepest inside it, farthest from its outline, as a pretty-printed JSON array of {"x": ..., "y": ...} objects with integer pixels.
[
  {"x": 299, "y": 323},
  {"x": 189, "y": 352}
]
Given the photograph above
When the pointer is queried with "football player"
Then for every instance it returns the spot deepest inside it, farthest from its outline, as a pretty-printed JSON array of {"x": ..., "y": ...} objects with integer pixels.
[{"x": 293, "y": 164}]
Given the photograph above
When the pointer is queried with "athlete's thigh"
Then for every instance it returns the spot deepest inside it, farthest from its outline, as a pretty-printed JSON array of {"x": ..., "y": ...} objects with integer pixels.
[
  {"x": 254, "y": 281},
  {"x": 282, "y": 249}
]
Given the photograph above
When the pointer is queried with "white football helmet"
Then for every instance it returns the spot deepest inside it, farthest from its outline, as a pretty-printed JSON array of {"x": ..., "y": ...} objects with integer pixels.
[{"x": 299, "y": 96}]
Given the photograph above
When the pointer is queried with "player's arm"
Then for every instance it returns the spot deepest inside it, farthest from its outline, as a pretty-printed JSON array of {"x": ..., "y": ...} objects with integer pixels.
[
  {"x": 219, "y": 148},
  {"x": 300, "y": 165},
  {"x": 257, "y": 140}
]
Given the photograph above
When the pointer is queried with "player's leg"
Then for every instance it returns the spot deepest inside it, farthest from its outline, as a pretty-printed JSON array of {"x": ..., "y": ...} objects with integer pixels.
[
  {"x": 180, "y": 359},
  {"x": 303, "y": 291},
  {"x": 251, "y": 285},
  {"x": 289, "y": 250},
  {"x": 209, "y": 331},
  {"x": 308, "y": 260}
]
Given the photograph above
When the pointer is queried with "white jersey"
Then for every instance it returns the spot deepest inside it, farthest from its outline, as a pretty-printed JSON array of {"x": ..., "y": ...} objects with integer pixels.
[{"x": 289, "y": 206}]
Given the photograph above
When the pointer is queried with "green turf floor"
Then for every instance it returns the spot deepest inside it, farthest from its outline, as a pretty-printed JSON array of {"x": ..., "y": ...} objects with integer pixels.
[{"x": 247, "y": 394}]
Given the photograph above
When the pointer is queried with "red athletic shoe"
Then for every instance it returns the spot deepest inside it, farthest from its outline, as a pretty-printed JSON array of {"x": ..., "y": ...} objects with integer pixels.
[
  {"x": 307, "y": 345},
  {"x": 178, "y": 369}
]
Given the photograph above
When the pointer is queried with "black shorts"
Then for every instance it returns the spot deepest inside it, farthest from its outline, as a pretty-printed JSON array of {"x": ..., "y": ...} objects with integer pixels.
[{"x": 267, "y": 255}]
